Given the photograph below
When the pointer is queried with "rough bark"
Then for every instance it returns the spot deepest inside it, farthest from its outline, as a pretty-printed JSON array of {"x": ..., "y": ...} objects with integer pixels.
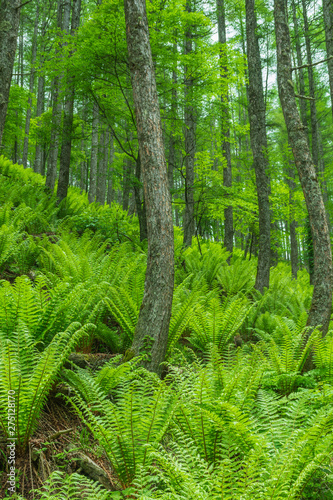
[
  {"x": 66, "y": 146},
  {"x": 94, "y": 155},
  {"x": 31, "y": 89},
  {"x": 225, "y": 129},
  {"x": 9, "y": 26},
  {"x": 151, "y": 333},
  {"x": 190, "y": 143},
  {"x": 321, "y": 305},
  {"x": 259, "y": 144}
]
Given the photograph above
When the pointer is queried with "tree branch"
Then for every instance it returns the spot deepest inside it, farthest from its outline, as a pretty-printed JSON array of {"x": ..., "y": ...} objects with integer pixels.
[
  {"x": 304, "y": 97},
  {"x": 313, "y": 64}
]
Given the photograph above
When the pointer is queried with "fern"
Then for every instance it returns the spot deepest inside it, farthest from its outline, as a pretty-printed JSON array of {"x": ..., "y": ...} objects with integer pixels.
[
  {"x": 30, "y": 374},
  {"x": 140, "y": 415}
]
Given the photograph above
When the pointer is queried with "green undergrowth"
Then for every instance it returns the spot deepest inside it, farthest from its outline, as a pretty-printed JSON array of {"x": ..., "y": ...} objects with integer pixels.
[{"x": 233, "y": 422}]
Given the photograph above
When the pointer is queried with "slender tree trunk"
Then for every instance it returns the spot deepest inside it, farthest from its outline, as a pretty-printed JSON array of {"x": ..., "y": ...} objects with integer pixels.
[
  {"x": 94, "y": 155},
  {"x": 56, "y": 112},
  {"x": 31, "y": 89},
  {"x": 102, "y": 167},
  {"x": 66, "y": 147},
  {"x": 190, "y": 145},
  {"x": 302, "y": 102},
  {"x": 110, "y": 193},
  {"x": 140, "y": 203},
  {"x": 259, "y": 145},
  {"x": 225, "y": 129},
  {"x": 321, "y": 305},
  {"x": 39, "y": 160},
  {"x": 328, "y": 21},
  {"x": 151, "y": 333},
  {"x": 9, "y": 26},
  {"x": 292, "y": 223},
  {"x": 83, "y": 166},
  {"x": 172, "y": 140},
  {"x": 127, "y": 172}
]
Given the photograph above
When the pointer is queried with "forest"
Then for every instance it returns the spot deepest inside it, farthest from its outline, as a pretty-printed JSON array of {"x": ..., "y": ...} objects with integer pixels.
[{"x": 166, "y": 273}]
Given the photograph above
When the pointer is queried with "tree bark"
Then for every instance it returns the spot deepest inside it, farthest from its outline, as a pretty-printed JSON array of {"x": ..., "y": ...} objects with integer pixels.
[
  {"x": 94, "y": 154},
  {"x": 225, "y": 129},
  {"x": 151, "y": 333},
  {"x": 56, "y": 112},
  {"x": 302, "y": 102},
  {"x": 328, "y": 21},
  {"x": 31, "y": 89},
  {"x": 259, "y": 145},
  {"x": 110, "y": 193},
  {"x": 140, "y": 203},
  {"x": 292, "y": 223},
  {"x": 102, "y": 167},
  {"x": 190, "y": 145},
  {"x": 321, "y": 305},
  {"x": 66, "y": 147},
  {"x": 9, "y": 26}
]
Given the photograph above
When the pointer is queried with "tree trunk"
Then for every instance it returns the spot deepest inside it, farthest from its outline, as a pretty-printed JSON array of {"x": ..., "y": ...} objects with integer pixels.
[
  {"x": 140, "y": 203},
  {"x": 94, "y": 155},
  {"x": 102, "y": 167},
  {"x": 110, "y": 193},
  {"x": 292, "y": 223},
  {"x": 9, "y": 26},
  {"x": 225, "y": 129},
  {"x": 321, "y": 305},
  {"x": 127, "y": 171},
  {"x": 190, "y": 125},
  {"x": 259, "y": 145},
  {"x": 39, "y": 160},
  {"x": 31, "y": 89},
  {"x": 328, "y": 21},
  {"x": 302, "y": 102},
  {"x": 66, "y": 147},
  {"x": 151, "y": 333},
  {"x": 56, "y": 113}
]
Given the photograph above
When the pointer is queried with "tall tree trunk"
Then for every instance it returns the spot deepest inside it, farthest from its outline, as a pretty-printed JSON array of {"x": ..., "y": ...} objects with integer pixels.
[
  {"x": 94, "y": 155},
  {"x": 39, "y": 160},
  {"x": 313, "y": 109},
  {"x": 172, "y": 140},
  {"x": 66, "y": 147},
  {"x": 321, "y": 305},
  {"x": 9, "y": 26},
  {"x": 151, "y": 333},
  {"x": 127, "y": 172},
  {"x": 190, "y": 145},
  {"x": 31, "y": 89},
  {"x": 302, "y": 103},
  {"x": 83, "y": 166},
  {"x": 328, "y": 21},
  {"x": 259, "y": 145},
  {"x": 56, "y": 112},
  {"x": 225, "y": 129}
]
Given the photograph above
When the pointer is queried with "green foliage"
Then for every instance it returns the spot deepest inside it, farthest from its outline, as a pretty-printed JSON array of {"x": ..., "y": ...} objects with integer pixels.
[
  {"x": 29, "y": 374},
  {"x": 139, "y": 415},
  {"x": 215, "y": 324}
]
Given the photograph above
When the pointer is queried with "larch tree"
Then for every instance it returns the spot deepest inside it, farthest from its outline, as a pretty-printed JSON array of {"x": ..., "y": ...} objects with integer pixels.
[
  {"x": 321, "y": 305},
  {"x": 9, "y": 26},
  {"x": 151, "y": 333},
  {"x": 258, "y": 139}
]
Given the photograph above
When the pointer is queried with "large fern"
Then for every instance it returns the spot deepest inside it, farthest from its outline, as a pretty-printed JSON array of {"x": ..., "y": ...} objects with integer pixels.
[{"x": 29, "y": 373}]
